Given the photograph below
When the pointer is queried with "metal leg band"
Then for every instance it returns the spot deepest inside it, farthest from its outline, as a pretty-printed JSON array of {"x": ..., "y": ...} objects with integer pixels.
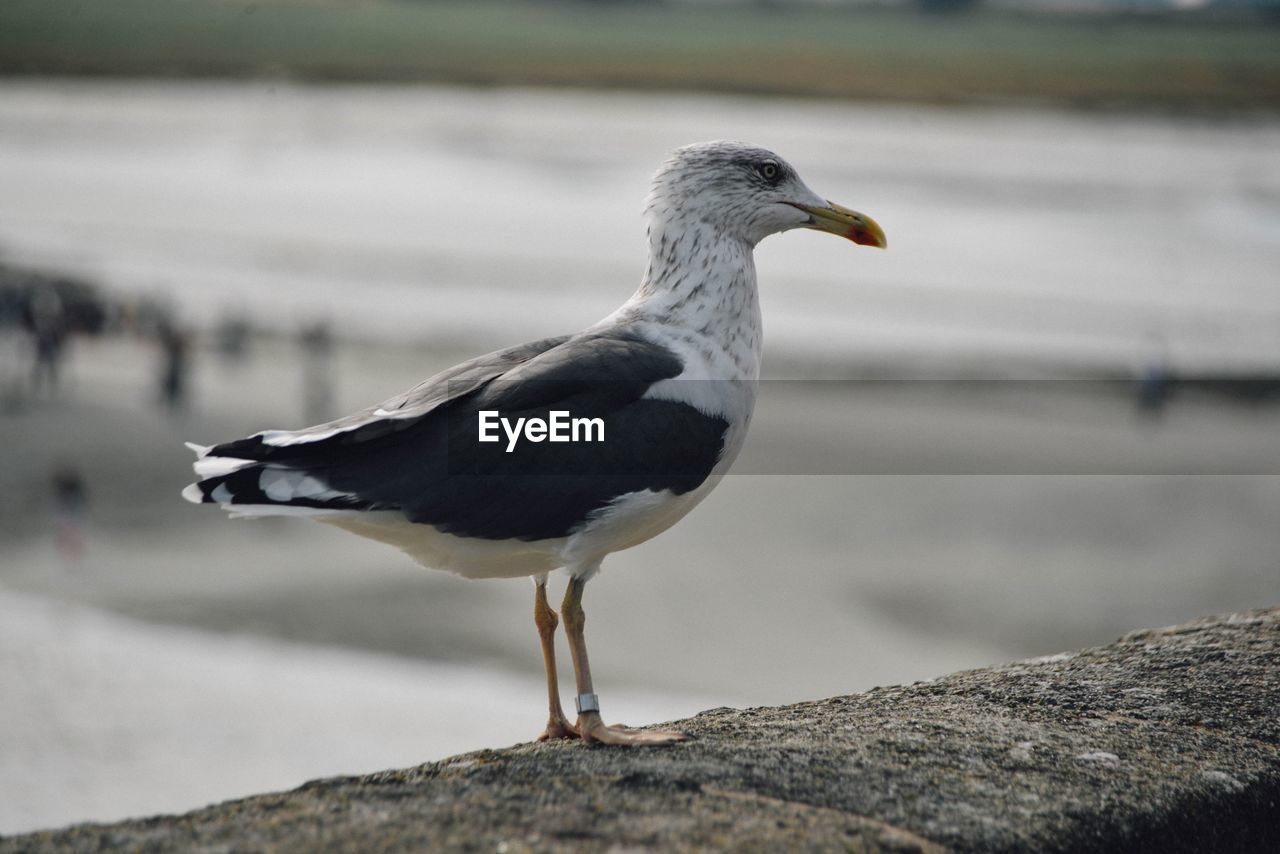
[{"x": 587, "y": 703}]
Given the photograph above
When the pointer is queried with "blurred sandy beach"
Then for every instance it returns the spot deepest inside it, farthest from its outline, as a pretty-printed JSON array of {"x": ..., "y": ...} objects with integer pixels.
[{"x": 877, "y": 531}]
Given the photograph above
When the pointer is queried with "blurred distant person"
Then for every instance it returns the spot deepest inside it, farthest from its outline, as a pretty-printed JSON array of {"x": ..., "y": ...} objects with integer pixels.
[
  {"x": 1153, "y": 390},
  {"x": 175, "y": 350},
  {"x": 70, "y": 512},
  {"x": 1154, "y": 379},
  {"x": 48, "y": 324},
  {"x": 317, "y": 371},
  {"x": 233, "y": 338},
  {"x": 13, "y": 353}
]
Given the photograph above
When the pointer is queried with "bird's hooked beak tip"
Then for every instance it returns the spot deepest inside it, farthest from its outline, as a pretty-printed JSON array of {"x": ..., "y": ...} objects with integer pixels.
[{"x": 849, "y": 224}]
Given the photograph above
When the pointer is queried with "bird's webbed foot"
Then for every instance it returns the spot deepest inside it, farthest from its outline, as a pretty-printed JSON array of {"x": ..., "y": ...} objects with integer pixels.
[{"x": 593, "y": 730}]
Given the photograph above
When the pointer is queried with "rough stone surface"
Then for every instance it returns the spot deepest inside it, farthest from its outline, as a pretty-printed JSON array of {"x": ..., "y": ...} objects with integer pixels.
[{"x": 1164, "y": 740}]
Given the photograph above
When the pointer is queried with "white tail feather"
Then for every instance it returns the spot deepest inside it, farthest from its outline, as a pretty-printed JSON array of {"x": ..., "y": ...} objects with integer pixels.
[
  {"x": 217, "y": 466},
  {"x": 255, "y": 511}
]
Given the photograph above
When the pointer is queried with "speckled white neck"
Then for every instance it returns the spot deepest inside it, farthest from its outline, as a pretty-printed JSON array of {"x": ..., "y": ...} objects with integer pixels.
[{"x": 699, "y": 296}]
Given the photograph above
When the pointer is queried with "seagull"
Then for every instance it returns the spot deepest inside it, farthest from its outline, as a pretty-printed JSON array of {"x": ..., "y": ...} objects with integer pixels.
[{"x": 482, "y": 469}]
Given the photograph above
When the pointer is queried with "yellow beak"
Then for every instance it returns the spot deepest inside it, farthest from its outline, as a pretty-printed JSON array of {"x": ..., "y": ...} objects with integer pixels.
[{"x": 852, "y": 225}]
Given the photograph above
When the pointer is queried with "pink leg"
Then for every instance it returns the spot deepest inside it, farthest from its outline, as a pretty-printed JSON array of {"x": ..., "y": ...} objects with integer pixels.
[
  {"x": 546, "y": 620},
  {"x": 590, "y": 725}
]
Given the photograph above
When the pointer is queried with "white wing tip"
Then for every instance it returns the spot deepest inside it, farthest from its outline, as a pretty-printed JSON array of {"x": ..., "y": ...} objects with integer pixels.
[
  {"x": 193, "y": 494},
  {"x": 207, "y": 467},
  {"x": 201, "y": 451}
]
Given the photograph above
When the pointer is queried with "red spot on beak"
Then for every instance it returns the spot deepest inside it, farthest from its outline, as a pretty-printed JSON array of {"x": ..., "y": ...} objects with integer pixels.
[{"x": 865, "y": 237}]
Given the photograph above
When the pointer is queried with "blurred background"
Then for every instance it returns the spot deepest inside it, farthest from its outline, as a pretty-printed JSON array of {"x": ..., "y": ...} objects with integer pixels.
[{"x": 1048, "y": 415}]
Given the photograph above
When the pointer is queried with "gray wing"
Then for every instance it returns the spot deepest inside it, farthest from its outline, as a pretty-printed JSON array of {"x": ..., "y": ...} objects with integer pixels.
[{"x": 397, "y": 412}]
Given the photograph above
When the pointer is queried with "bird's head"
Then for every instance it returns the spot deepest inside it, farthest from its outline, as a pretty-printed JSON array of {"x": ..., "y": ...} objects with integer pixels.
[{"x": 747, "y": 192}]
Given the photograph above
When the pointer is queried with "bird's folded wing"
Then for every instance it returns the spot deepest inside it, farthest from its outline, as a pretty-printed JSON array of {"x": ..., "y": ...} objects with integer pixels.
[
  {"x": 432, "y": 466},
  {"x": 397, "y": 413}
]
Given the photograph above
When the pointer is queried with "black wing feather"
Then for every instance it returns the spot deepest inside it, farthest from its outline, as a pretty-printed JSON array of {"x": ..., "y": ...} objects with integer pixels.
[{"x": 433, "y": 468}]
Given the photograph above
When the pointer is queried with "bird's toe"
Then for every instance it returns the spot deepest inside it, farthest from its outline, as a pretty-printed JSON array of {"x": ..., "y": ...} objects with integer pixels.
[{"x": 559, "y": 729}]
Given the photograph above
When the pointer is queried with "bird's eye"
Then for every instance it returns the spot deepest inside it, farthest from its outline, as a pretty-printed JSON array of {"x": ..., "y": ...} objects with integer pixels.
[{"x": 769, "y": 170}]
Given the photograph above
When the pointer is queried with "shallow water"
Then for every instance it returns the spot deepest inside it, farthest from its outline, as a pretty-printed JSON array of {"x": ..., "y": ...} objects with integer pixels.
[{"x": 495, "y": 215}]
